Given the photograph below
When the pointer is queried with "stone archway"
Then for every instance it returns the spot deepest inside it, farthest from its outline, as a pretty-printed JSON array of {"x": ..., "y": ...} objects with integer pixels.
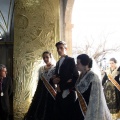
[
  {"x": 66, "y": 25},
  {"x": 69, "y": 25}
]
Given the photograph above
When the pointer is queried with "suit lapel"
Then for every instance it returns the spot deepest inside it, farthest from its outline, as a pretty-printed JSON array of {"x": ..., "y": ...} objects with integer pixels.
[{"x": 4, "y": 83}]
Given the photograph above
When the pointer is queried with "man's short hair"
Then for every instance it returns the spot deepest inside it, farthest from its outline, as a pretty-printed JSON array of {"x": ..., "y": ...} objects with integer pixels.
[
  {"x": 61, "y": 43},
  {"x": 2, "y": 66}
]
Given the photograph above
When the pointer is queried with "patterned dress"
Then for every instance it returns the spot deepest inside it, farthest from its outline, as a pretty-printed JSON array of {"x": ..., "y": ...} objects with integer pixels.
[{"x": 112, "y": 94}]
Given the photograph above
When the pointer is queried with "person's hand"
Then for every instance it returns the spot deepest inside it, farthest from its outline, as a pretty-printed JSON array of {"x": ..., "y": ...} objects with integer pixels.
[
  {"x": 58, "y": 88},
  {"x": 42, "y": 78},
  {"x": 56, "y": 80},
  {"x": 70, "y": 80}
]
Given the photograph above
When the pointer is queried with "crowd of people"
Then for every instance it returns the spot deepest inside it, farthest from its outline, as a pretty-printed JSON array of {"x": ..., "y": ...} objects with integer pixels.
[{"x": 68, "y": 91}]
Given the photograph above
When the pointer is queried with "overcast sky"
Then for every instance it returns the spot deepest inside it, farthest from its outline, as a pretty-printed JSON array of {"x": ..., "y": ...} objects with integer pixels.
[{"x": 96, "y": 19}]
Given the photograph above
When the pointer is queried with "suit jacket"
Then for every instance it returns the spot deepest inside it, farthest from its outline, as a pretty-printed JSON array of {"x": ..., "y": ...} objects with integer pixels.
[
  {"x": 67, "y": 71},
  {"x": 7, "y": 90}
]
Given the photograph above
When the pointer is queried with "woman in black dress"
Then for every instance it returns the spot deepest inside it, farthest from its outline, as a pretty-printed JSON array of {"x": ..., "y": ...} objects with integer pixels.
[
  {"x": 90, "y": 104},
  {"x": 42, "y": 106},
  {"x": 112, "y": 93}
]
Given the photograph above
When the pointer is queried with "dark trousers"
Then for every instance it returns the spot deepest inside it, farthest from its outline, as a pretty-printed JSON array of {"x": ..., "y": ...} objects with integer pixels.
[
  {"x": 65, "y": 107},
  {"x": 3, "y": 115}
]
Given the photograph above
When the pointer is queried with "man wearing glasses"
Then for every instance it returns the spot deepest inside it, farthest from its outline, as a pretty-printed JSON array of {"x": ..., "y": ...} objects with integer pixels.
[{"x": 5, "y": 92}]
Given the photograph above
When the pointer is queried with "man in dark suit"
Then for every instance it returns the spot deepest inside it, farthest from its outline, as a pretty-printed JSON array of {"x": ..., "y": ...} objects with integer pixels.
[
  {"x": 5, "y": 92},
  {"x": 65, "y": 78}
]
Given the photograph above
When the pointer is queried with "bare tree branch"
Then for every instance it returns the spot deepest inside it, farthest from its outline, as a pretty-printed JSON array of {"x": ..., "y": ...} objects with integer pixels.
[{"x": 98, "y": 50}]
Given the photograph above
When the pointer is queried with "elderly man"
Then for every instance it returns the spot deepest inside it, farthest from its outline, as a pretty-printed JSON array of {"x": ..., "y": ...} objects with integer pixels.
[{"x": 5, "y": 92}]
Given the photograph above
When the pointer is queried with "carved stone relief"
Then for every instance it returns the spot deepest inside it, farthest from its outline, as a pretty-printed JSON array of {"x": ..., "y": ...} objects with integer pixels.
[{"x": 36, "y": 30}]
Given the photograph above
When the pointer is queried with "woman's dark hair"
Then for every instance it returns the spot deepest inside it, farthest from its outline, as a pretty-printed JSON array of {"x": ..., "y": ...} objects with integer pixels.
[
  {"x": 46, "y": 52},
  {"x": 113, "y": 59},
  {"x": 85, "y": 60}
]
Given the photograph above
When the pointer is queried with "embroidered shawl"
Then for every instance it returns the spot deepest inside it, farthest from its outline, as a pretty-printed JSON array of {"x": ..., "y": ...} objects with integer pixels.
[{"x": 97, "y": 108}]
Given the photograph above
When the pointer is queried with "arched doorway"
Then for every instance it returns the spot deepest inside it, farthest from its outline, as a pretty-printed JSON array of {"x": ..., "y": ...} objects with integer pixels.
[{"x": 66, "y": 23}]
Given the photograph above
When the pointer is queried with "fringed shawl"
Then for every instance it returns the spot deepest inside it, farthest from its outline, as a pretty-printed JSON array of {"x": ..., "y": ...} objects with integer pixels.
[{"x": 97, "y": 108}]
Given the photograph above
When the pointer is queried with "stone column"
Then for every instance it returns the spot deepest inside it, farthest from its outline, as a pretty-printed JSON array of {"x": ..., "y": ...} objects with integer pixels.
[
  {"x": 69, "y": 25},
  {"x": 68, "y": 37},
  {"x": 36, "y": 29}
]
